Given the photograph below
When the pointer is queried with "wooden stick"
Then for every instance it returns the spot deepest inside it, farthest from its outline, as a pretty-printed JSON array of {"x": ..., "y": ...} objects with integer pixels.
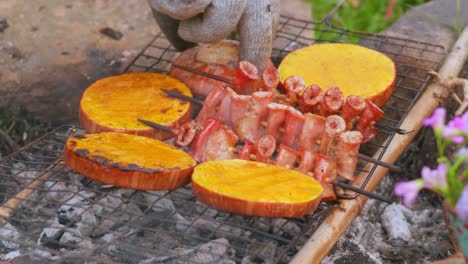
[
  {"x": 7, "y": 208},
  {"x": 182, "y": 97},
  {"x": 325, "y": 237},
  {"x": 206, "y": 74}
]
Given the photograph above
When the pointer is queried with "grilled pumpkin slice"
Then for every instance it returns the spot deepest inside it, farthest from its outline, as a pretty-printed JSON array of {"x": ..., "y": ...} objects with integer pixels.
[
  {"x": 356, "y": 70},
  {"x": 115, "y": 104},
  {"x": 255, "y": 189},
  {"x": 129, "y": 161}
]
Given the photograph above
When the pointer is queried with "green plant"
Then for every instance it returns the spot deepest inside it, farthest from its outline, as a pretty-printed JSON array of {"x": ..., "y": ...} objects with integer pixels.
[{"x": 368, "y": 16}]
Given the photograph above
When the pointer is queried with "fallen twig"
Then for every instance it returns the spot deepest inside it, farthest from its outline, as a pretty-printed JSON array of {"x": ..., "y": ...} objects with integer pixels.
[
  {"x": 11, "y": 143},
  {"x": 452, "y": 84}
]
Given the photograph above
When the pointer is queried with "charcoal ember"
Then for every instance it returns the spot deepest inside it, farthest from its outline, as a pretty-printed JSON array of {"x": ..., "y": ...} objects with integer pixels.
[
  {"x": 262, "y": 224},
  {"x": 69, "y": 213},
  {"x": 88, "y": 223},
  {"x": 111, "y": 202},
  {"x": 211, "y": 252},
  {"x": 181, "y": 222},
  {"x": 9, "y": 236},
  {"x": 159, "y": 201},
  {"x": 201, "y": 208},
  {"x": 262, "y": 252},
  {"x": 58, "y": 191},
  {"x": 107, "y": 238},
  {"x": 281, "y": 226},
  {"x": 73, "y": 240},
  {"x": 51, "y": 235}
]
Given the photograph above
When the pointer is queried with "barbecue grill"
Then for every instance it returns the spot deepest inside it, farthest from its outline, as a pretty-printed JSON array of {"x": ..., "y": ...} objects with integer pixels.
[{"x": 50, "y": 214}]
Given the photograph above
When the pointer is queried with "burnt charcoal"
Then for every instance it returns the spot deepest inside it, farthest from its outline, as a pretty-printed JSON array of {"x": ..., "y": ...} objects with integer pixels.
[
  {"x": 50, "y": 236},
  {"x": 3, "y": 24},
  {"x": 111, "y": 33}
]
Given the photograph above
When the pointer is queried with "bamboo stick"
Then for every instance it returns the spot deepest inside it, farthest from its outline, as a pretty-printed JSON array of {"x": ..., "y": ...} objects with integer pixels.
[
  {"x": 325, "y": 237},
  {"x": 7, "y": 208}
]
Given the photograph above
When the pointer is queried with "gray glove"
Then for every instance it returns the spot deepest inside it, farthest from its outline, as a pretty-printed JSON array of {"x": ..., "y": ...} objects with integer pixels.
[{"x": 186, "y": 22}]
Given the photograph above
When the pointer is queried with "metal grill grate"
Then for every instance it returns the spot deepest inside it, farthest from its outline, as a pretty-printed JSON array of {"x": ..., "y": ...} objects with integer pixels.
[{"x": 52, "y": 214}]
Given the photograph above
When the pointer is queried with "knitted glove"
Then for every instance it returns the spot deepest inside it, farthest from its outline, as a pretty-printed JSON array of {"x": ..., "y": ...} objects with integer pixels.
[{"x": 186, "y": 22}]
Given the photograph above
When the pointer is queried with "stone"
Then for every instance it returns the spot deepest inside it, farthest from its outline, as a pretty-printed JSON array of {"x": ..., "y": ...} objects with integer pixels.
[{"x": 395, "y": 224}]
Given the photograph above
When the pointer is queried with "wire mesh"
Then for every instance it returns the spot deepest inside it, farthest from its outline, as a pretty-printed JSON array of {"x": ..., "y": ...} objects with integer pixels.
[{"x": 50, "y": 214}]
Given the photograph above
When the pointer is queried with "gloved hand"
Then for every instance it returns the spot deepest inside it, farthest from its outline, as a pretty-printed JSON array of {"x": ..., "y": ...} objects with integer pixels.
[{"x": 186, "y": 22}]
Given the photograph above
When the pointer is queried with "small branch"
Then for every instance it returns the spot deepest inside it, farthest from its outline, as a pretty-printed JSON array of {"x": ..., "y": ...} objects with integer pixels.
[
  {"x": 451, "y": 85},
  {"x": 11, "y": 143}
]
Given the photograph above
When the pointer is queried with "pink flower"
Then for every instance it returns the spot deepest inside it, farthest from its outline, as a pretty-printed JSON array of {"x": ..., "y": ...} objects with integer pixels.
[
  {"x": 437, "y": 120},
  {"x": 462, "y": 152},
  {"x": 456, "y": 128},
  {"x": 435, "y": 179},
  {"x": 409, "y": 190},
  {"x": 462, "y": 206}
]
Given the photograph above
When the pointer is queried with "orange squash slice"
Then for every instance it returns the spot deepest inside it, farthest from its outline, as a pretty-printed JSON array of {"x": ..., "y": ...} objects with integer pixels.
[
  {"x": 129, "y": 161},
  {"x": 115, "y": 104},
  {"x": 356, "y": 70},
  {"x": 255, "y": 189}
]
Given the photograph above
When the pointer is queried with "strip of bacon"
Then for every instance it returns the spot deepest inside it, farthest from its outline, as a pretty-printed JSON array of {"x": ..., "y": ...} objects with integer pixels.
[
  {"x": 307, "y": 163},
  {"x": 221, "y": 145},
  {"x": 311, "y": 133},
  {"x": 344, "y": 153},
  {"x": 247, "y": 150},
  {"x": 294, "y": 85},
  {"x": 186, "y": 133},
  {"x": 351, "y": 109},
  {"x": 197, "y": 147},
  {"x": 246, "y": 78},
  {"x": 369, "y": 116},
  {"x": 275, "y": 120},
  {"x": 270, "y": 77},
  {"x": 224, "y": 109},
  {"x": 286, "y": 157},
  {"x": 310, "y": 99},
  {"x": 211, "y": 103},
  {"x": 239, "y": 105},
  {"x": 266, "y": 146},
  {"x": 332, "y": 102},
  {"x": 292, "y": 127},
  {"x": 325, "y": 172},
  {"x": 249, "y": 125},
  {"x": 334, "y": 126}
]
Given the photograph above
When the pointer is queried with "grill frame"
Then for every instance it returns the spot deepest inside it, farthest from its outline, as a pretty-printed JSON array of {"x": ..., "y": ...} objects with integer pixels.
[{"x": 42, "y": 168}]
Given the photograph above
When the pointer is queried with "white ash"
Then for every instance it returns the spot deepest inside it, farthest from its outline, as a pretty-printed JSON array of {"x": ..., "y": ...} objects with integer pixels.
[
  {"x": 367, "y": 241},
  {"x": 211, "y": 252},
  {"x": 44, "y": 254},
  {"x": 395, "y": 224},
  {"x": 11, "y": 255},
  {"x": 24, "y": 174},
  {"x": 9, "y": 234}
]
